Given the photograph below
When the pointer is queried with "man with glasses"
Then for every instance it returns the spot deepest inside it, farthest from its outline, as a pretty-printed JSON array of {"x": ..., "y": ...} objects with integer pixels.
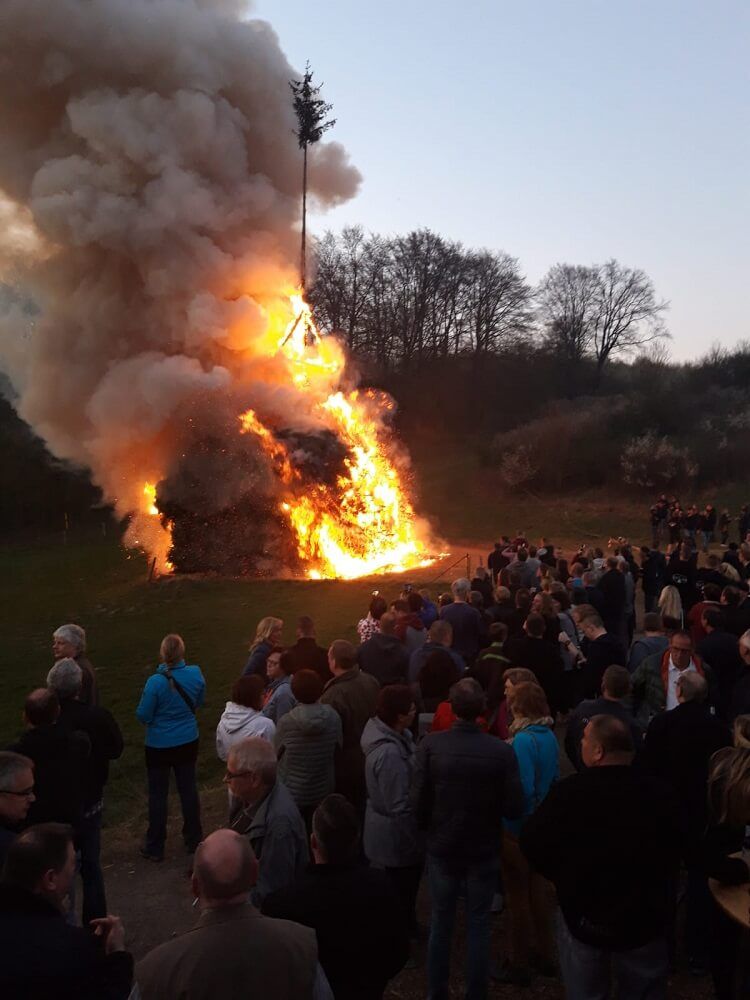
[
  {"x": 655, "y": 679},
  {"x": 16, "y": 795}
]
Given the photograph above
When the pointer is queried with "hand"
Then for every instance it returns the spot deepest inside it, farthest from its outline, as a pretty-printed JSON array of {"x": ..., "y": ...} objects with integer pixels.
[{"x": 111, "y": 931}]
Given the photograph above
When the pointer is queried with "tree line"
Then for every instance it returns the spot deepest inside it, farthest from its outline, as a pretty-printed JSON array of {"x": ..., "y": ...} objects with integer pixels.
[{"x": 402, "y": 301}]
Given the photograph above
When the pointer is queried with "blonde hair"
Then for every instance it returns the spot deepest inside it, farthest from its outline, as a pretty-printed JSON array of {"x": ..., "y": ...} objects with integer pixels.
[
  {"x": 729, "y": 778},
  {"x": 266, "y": 626},
  {"x": 172, "y": 649},
  {"x": 670, "y": 603}
]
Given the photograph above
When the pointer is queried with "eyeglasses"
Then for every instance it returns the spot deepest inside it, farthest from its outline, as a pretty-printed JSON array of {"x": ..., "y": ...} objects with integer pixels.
[
  {"x": 26, "y": 793},
  {"x": 231, "y": 775}
]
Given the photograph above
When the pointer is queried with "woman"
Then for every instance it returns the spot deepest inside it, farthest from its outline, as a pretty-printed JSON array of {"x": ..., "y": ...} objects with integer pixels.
[
  {"x": 670, "y": 608},
  {"x": 243, "y": 716},
  {"x": 306, "y": 739},
  {"x": 278, "y": 699},
  {"x": 167, "y": 709},
  {"x": 267, "y": 637},
  {"x": 542, "y": 604},
  {"x": 535, "y": 746},
  {"x": 498, "y": 714},
  {"x": 391, "y": 838},
  {"x": 370, "y": 626}
]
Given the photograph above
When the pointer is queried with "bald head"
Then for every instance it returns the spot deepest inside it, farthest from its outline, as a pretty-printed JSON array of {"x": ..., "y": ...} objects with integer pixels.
[
  {"x": 224, "y": 870},
  {"x": 388, "y": 623}
]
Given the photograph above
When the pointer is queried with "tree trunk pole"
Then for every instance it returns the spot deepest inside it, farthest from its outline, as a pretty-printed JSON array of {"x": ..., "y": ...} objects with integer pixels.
[{"x": 303, "y": 254}]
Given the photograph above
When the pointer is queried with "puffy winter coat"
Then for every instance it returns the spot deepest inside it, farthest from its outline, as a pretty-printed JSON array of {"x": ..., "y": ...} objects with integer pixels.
[
  {"x": 306, "y": 738},
  {"x": 391, "y": 839},
  {"x": 239, "y": 723}
]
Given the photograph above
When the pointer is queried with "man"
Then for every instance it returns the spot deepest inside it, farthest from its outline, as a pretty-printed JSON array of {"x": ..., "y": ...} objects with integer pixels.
[
  {"x": 59, "y": 758},
  {"x": 496, "y": 561},
  {"x": 306, "y": 654},
  {"x": 532, "y": 651},
  {"x": 613, "y": 589},
  {"x": 678, "y": 750},
  {"x": 105, "y": 742},
  {"x": 465, "y": 620},
  {"x": 409, "y": 630},
  {"x": 16, "y": 795},
  {"x": 492, "y": 661},
  {"x": 233, "y": 952},
  {"x": 526, "y": 569},
  {"x": 613, "y": 701},
  {"x": 465, "y": 784},
  {"x": 655, "y": 680},
  {"x": 70, "y": 641},
  {"x": 353, "y": 694},
  {"x": 600, "y": 650},
  {"x": 653, "y": 640},
  {"x": 384, "y": 656},
  {"x": 736, "y": 611},
  {"x": 363, "y": 939},
  {"x": 269, "y": 817},
  {"x": 681, "y": 570},
  {"x": 720, "y": 648},
  {"x": 610, "y": 841},
  {"x": 653, "y": 575},
  {"x": 439, "y": 638},
  {"x": 43, "y": 956},
  {"x": 591, "y": 591},
  {"x": 711, "y": 598}
]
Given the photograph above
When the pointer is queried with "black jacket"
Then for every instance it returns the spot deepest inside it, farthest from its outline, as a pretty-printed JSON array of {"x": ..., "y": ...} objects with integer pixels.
[
  {"x": 584, "y": 712},
  {"x": 384, "y": 657},
  {"x": 363, "y": 935},
  {"x": 60, "y": 758},
  {"x": 739, "y": 703},
  {"x": 653, "y": 572},
  {"x": 719, "y": 648},
  {"x": 44, "y": 958},
  {"x": 541, "y": 656},
  {"x": 105, "y": 740},
  {"x": 610, "y": 840},
  {"x": 465, "y": 784},
  {"x": 306, "y": 654},
  {"x": 612, "y": 587},
  {"x": 600, "y": 654}
]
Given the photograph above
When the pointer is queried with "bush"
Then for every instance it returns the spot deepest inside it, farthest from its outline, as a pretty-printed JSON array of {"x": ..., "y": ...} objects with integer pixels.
[{"x": 653, "y": 461}]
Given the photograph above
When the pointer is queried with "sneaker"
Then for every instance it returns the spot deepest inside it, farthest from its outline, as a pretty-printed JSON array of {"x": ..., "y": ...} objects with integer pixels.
[{"x": 149, "y": 856}]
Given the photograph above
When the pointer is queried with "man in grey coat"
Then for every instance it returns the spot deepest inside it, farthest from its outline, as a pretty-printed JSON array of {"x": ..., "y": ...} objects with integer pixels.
[{"x": 269, "y": 818}]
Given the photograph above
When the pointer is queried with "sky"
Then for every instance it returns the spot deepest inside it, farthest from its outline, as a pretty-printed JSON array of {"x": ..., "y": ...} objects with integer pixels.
[{"x": 555, "y": 130}]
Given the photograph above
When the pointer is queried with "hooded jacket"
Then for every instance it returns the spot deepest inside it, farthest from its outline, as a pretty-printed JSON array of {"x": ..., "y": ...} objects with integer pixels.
[
  {"x": 237, "y": 723},
  {"x": 391, "y": 839},
  {"x": 306, "y": 739}
]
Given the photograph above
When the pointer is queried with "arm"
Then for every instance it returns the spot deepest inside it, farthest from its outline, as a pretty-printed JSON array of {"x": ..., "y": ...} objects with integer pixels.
[
  {"x": 523, "y": 750},
  {"x": 278, "y": 866},
  {"x": 394, "y": 784},
  {"x": 149, "y": 702}
]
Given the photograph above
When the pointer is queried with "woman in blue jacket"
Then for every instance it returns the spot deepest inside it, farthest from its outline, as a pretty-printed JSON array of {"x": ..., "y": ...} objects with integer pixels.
[
  {"x": 167, "y": 709},
  {"x": 535, "y": 746}
]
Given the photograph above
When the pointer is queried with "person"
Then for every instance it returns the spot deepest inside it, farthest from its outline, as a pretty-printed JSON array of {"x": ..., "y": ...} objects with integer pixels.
[
  {"x": 652, "y": 641},
  {"x": 306, "y": 742},
  {"x": 743, "y": 523},
  {"x": 720, "y": 649},
  {"x": 363, "y": 938},
  {"x": 711, "y": 598},
  {"x": 534, "y": 652},
  {"x": 168, "y": 706},
  {"x": 439, "y": 639},
  {"x": 670, "y": 608},
  {"x": 70, "y": 641},
  {"x": 409, "y": 630},
  {"x": 16, "y": 795},
  {"x": 599, "y": 648},
  {"x": 465, "y": 620},
  {"x": 526, "y": 569},
  {"x": 503, "y": 607},
  {"x": 681, "y": 573},
  {"x": 614, "y": 700},
  {"x": 724, "y": 521},
  {"x": 613, "y": 588},
  {"x": 466, "y": 783},
  {"x": 655, "y": 680},
  {"x": 438, "y": 674},
  {"x": 278, "y": 698},
  {"x": 496, "y": 561},
  {"x": 391, "y": 839},
  {"x": 306, "y": 654},
  {"x": 735, "y": 614},
  {"x": 592, "y": 595},
  {"x": 268, "y": 636},
  {"x": 588, "y": 837},
  {"x": 678, "y": 748},
  {"x": 370, "y": 625},
  {"x": 353, "y": 695},
  {"x": 384, "y": 656},
  {"x": 65, "y": 679},
  {"x": 429, "y": 611},
  {"x": 43, "y": 955},
  {"x": 535, "y": 746},
  {"x": 59, "y": 759},
  {"x": 482, "y": 582},
  {"x": 739, "y": 703},
  {"x": 233, "y": 951},
  {"x": 492, "y": 660},
  {"x": 653, "y": 575},
  {"x": 243, "y": 716},
  {"x": 268, "y": 818}
]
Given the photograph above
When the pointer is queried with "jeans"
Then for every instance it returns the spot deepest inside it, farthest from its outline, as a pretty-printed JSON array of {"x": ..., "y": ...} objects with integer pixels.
[
  {"x": 479, "y": 881},
  {"x": 589, "y": 973},
  {"x": 158, "y": 791},
  {"x": 92, "y": 879}
]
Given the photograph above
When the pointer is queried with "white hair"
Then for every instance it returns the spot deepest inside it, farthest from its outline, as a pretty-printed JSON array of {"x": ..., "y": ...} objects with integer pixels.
[
  {"x": 461, "y": 587},
  {"x": 692, "y": 687},
  {"x": 65, "y": 678},
  {"x": 744, "y": 639},
  {"x": 257, "y": 756},
  {"x": 73, "y": 634}
]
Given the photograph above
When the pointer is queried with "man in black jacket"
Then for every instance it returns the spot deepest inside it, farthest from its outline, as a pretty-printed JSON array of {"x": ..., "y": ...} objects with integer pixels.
[
  {"x": 612, "y": 586},
  {"x": 533, "y": 652},
  {"x": 363, "y": 937},
  {"x": 384, "y": 656},
  {"x": 613, "y": 701},
  {"x": 105, "y": 740},
  {"x": 465, "y": 784},
  {"x": 600, "y": 649},
  {"x": 43, "y": 956},
  {"x": 719, "y": 648},
  {"x": 610, "y": 840},
  {"x": 306, "y": 654}
]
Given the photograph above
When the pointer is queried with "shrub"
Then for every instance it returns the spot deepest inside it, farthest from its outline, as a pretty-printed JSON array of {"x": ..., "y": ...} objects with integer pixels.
[{"x": 653, "y": 461}]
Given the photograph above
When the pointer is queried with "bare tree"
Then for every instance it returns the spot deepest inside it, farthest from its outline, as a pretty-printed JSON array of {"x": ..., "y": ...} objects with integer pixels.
[{"x": 567, "y": 296}]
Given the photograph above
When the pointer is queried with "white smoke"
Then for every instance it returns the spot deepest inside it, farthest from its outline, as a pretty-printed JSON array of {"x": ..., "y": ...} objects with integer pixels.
[{"x": 149, "y": 165}]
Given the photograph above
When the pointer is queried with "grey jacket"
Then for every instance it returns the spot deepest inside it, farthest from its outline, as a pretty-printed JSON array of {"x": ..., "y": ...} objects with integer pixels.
[
  {"x": 391, "y": 838},
  {"x": 278, "y": 838},
  {"x": 281, "y": 700},
  {"x": 305, "y": 739}
]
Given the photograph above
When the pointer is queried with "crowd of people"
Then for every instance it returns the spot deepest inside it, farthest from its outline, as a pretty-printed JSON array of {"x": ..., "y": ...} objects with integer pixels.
[{"x": 429, "y": 752}]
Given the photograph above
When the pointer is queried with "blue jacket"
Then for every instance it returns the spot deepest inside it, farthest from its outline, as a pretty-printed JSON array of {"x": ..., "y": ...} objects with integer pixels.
[
  {"x": 538, "y": 758},
  {"x": 168, "y": 720},
  {"x": 256, "y": 661},
  {"x": 281, "y": 701}
]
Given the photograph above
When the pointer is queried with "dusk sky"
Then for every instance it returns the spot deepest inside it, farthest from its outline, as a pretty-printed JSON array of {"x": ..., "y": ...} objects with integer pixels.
[{"x": 556, "y": 130}]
